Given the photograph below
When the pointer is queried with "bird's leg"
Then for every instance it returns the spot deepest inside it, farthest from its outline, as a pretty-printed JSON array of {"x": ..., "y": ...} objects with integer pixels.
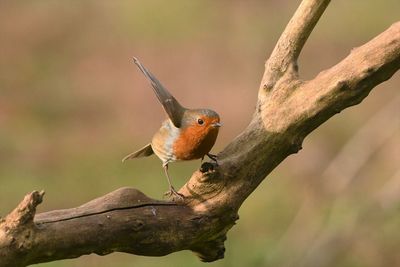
[
  {"x": 213, "y": 157},
  {"x": 172, "y": 190}
]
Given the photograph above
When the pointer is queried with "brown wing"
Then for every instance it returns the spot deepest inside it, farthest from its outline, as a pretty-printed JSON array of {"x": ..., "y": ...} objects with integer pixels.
[
  {"x": 143, "y": 152},
  {"x": 171, "y": 105}
]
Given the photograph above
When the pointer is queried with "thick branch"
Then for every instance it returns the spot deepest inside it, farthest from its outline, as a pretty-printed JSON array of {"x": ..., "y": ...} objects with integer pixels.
[
  {"x": 288, "y": 48},
  {"x": 287, "y": 114},
  {"x": 124, "y": 220},
  {"x": 365, "y": 67},
  {"x": 303, "y": 106},
  {"x": 128, "y": 221}
]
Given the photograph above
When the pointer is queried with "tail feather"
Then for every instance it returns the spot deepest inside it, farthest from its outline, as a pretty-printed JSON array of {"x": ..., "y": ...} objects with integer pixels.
[
  {"x": 171, "y": 105},
  {"x": 143, "y": 152}
]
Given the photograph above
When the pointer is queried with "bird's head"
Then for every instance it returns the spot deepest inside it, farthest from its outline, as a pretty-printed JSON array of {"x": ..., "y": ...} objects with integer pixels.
[{"x": 202, "y": 119}]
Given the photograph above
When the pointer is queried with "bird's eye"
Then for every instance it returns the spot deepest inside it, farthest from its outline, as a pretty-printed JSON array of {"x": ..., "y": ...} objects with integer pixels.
[{"x": 200, "y": 121}]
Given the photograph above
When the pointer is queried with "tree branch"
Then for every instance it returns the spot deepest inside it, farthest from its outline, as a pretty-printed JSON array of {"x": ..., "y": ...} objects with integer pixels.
[
  {"x": 128, "y": 221},
  {"x": 288, "y": 48},
  {"x": 124, "y": 220}
]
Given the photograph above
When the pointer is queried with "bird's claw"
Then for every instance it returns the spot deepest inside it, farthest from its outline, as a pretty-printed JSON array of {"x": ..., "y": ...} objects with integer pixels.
[{"x": 174, "y": 195}]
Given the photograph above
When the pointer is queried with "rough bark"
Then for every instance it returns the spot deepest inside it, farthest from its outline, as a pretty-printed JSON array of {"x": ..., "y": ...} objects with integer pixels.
[{"x": 288, "y": 109}]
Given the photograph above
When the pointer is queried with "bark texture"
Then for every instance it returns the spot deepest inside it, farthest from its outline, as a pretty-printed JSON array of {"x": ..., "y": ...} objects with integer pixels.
[{"x": 288, "y": 109}]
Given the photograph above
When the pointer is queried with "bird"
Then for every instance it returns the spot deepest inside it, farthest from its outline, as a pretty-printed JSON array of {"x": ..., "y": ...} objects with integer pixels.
[{"x": 186, "y": 134}]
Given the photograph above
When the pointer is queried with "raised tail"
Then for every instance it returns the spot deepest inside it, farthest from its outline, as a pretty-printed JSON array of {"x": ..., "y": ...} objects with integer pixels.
[
  {"x": 143, "y": 152},
  {"x": 171, "y": 105}
]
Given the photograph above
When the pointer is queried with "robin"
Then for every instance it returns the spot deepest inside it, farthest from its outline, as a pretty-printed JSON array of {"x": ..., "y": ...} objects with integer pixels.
[{"x": 186, "y": 134}]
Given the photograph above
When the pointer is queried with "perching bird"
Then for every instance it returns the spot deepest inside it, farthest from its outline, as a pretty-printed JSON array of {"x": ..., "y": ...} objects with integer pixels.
[{"x": 187, "y": 134}]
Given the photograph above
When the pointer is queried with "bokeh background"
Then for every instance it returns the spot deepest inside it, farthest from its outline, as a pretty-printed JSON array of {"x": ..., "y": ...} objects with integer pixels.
[{"x": 72, "y": 104}]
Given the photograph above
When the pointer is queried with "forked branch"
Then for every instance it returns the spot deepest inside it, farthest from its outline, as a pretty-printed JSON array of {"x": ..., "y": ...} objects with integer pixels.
[
  {"x": 288, "y": 48},
  {"x": 288, "y": 109}
]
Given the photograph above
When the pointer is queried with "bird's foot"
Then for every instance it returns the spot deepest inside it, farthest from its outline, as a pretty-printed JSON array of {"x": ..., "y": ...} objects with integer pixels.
[{"x": 174, "y": 195}]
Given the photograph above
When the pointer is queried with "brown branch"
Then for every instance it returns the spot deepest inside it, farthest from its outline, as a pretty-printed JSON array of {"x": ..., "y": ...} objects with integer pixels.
[
  {"x": 288, "y": 48},
  {"x": 128, "y": 221},
  {"x": 124, "y": 220}
]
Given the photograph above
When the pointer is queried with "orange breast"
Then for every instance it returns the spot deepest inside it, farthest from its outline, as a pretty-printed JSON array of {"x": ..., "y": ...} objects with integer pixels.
[{"x": 194, "y": 142}]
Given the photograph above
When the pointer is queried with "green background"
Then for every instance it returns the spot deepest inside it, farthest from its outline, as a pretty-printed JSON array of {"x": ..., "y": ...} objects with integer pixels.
[{"x": 72, "y": 105}]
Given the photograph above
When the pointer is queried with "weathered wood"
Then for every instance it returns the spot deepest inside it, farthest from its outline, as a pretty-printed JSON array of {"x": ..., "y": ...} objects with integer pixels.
[{"x": 288, "y": 109}]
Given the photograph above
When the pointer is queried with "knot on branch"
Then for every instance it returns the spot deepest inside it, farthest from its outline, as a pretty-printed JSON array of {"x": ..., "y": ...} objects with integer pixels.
[
  {"x": 212, "y": 250},
  {"x": 17, "y": 228},
  {"x": 24, "y": 213},
  {"x": 207, "y": 167},
  {"x": 296, "y": 145}
]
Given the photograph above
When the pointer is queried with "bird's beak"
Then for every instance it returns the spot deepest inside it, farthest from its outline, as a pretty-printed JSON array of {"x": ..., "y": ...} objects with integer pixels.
[{"x": 216, "y": 124}]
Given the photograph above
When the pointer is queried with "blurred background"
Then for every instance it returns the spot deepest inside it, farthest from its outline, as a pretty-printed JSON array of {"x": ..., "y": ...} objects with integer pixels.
[{"x": 72, "y": 105}]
